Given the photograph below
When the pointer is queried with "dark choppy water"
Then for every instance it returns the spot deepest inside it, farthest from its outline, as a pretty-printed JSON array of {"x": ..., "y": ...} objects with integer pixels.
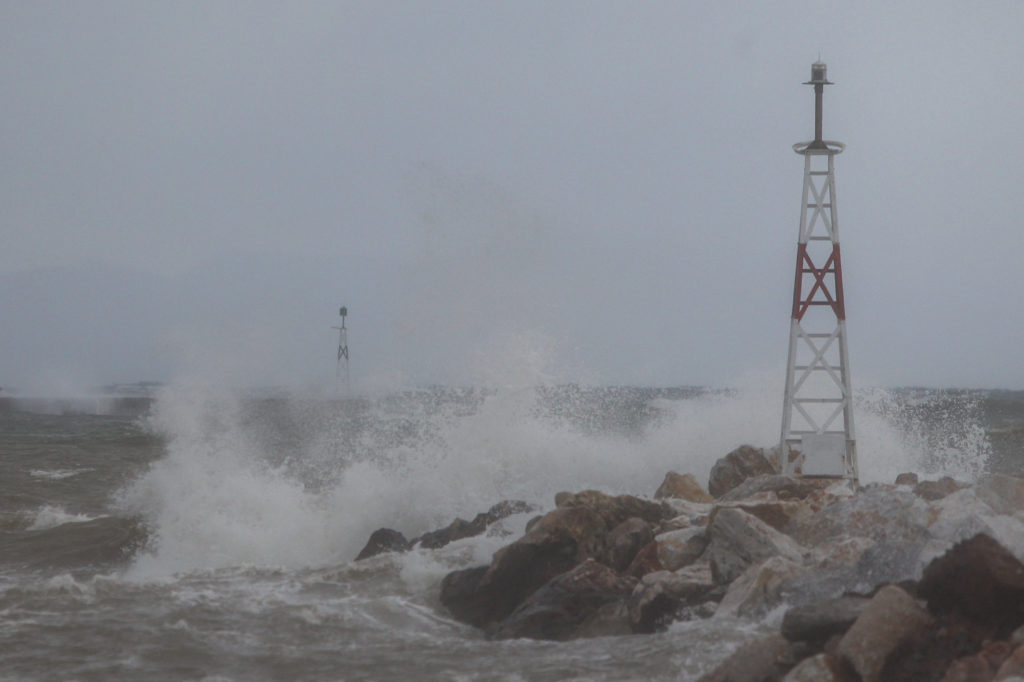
[{"x": 205, "y": 536}]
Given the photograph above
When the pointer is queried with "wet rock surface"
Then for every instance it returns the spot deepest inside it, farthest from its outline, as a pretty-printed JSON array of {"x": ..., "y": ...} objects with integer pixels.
[
  {"x": 742, "y": 463},
  {"x": 390, "y": 540},
  {"x": 919, "y": 581}
]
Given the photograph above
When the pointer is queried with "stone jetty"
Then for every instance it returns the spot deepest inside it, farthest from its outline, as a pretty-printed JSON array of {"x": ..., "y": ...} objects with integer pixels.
[{"x": 919, "y": 580}]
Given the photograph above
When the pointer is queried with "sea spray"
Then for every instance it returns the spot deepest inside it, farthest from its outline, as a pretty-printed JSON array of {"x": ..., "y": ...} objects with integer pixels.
[
  {"x": 297, "y": 481},
  {"x": 304, "y": 480}
]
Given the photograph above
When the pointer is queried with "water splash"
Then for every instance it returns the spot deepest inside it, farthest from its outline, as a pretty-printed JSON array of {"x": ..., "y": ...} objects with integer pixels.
[{"x": 291, "y": 480}]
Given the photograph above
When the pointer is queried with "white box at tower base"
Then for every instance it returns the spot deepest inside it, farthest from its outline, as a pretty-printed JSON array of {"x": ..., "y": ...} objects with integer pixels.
[{"x": 823, "y": 454}]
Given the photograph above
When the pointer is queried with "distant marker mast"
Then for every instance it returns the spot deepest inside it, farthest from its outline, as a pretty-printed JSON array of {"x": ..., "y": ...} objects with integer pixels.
[
  {"x": 342, "y": 348},
  {"x": 817, "y": 417}
]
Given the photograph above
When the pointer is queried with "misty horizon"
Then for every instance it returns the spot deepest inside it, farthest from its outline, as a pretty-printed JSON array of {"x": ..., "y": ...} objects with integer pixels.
[{"x": 503, "y": 194}]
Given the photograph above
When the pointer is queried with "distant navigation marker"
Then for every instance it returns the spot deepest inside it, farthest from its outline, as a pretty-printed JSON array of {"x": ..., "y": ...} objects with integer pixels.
[
  {"x": 342, "y": 348},
  {"x": 817, "y": 416}
]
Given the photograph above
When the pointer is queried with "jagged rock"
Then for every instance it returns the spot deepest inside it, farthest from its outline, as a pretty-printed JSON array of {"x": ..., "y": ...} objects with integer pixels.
[
  {"x": 388, "y": 540},
  {"x": 614, "y": 510},
  {"x": 625, "y": 540},
  {"x": 979, "y": 580},
  {"x": 958, "y": 516},
  {"x": 820, "y": 621},
  {"x": 965, "y": 513},
  {"x": 460, "y": 528},
  {"x": 507, "y": 508},
  {"x": 778, "y": 514},
  {"x": 742, "y": 463},
  {"x": 659, "y": 596},
  {"x": 830, "y": 492},
  {"x": 684, "y": 514},
  {"x": 683, "y": 486},
  {"x": 839, "y": 552},
  {"x": 936, "y": 490},
  {"x": 889, "y": 561},
  {"x": 562, "y": 539},
  {"x": 763, "y": 660},
  {"x": 680, "y": 548},
  {"x": 891, "y": 618},
  {"x": 384, "y": 540},
  {"x": 558, "y": 608},
  {"x": 739, "y": 539},
  {"x": 907, "y": 479},
  {"x": 820, "y": 668},
  {"x": 784, "y": 488},
  {"x": 876, "y": 513},
  {"x": 456, "y": 530},
  {"x": 758, "y": 588}
]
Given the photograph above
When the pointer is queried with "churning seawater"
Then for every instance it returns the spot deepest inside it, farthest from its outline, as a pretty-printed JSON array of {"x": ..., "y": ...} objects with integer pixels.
[{"x": 207, "y": 535}]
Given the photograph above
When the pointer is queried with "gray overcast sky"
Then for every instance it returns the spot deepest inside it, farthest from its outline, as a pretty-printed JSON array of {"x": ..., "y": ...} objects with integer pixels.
[{"x": 594, "y": 191}]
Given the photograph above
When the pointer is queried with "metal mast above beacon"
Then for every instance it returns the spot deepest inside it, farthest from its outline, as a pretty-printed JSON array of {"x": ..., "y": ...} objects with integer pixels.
[{"x": 817, "y": 417}]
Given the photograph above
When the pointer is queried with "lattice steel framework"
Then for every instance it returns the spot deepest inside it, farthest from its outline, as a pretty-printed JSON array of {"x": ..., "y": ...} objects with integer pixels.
[
  {"x": 342, "y": 348},
  {"x": 817, "y": 420}
]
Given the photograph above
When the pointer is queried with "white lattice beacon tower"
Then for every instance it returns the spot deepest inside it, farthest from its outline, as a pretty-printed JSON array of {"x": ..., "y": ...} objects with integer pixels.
[{"x": 817, "y": 416}]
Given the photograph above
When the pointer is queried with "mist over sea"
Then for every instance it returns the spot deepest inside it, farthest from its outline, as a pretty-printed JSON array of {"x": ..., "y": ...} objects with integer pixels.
[{"x": 205, "y": 533}]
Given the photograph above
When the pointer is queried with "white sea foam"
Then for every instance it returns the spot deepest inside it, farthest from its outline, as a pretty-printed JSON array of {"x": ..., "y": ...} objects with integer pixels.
[
  {"x": 226, "y": 495},
  {"x": 56, "y": 474},
  {"x": 50, "y": 517}
]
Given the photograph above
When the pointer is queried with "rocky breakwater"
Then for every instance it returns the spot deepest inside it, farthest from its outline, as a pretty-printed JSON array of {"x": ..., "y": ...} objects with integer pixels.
[{"x": 917, "y": 580}]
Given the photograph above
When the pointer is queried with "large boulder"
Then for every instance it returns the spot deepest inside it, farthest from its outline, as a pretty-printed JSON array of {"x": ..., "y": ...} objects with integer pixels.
[
  {"x": 765, "y": 659},
  {"x": 820, "y": 621},
  {"x": 966, "y": 513},
  {"x": 742, "y": 463},
  {"x": 659, "y": 597},
  {"x": 936, "y": 490},
  {"x": 679, "y": 548},
  {"x": 877, "y": 513},
  {"x": 456, "y": 530},
  {"x": 558, "y": 608},
  {"x": 624, "y": 541},
  {"x": 779, "y": 514},
  {"x": 460, "y": 528},
  {"x": 978, "y": 580},
  {"x": 759, "y": 588},
  {"x": 782, "y": 487},
  {"x": 1004, "y": 494},
  {"x": 559, "y": 541},
  {"x": 890, "y": 619},
  {"x": 739, "y": 539},
  {"x": 384, "y": 540},
  {"x": 613, "y": 510},
  {"x": 907, "y": 478},
  {"x": 682, "y": 486},
  {"x": 389, "y": 540},
  {"x": 459, "y": 595}
]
